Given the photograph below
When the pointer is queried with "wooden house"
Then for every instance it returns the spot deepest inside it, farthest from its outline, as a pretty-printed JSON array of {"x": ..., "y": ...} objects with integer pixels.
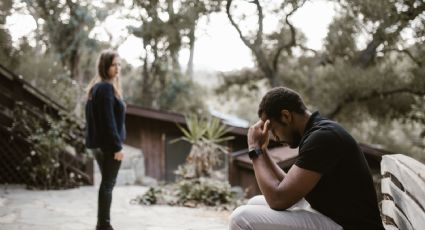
[{"x": 153, "y": 131}]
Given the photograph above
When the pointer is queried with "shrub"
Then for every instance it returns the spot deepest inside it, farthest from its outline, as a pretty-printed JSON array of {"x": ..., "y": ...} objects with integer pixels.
[
  {"x": 207, "y": 191},
  {"x": 47, "y": 139},
  {"x": 192, "y": 193}
]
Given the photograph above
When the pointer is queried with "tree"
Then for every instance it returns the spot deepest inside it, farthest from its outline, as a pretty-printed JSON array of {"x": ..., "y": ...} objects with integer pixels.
[
  {"x": 8, "y": 55},
  {"x": 384, "y": 22},
  {"x": 64, "y": 26},
  {"x": 269, "y": 49},
  {"x": 67, "y": 25},
  {"x": 379, "y": 82},
  {"x": 167, "y": 26}
]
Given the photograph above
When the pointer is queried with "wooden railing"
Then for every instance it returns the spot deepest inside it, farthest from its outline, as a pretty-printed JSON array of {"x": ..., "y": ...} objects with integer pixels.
[
  {"x": 403, "y": 189},
  {"x": 14, "y": 148}
]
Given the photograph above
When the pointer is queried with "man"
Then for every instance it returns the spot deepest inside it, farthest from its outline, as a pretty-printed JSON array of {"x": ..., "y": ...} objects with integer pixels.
[{"x": 331, "y": 173}]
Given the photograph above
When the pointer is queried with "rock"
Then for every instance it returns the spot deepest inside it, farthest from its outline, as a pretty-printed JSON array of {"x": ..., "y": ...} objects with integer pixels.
[{"x": 149, "y": 181}]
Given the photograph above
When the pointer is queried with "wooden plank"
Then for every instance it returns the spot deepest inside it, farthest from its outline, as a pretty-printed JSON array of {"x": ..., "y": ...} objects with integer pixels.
[
  {"x": 409, "y": 178},
  {"x": 6, "y": 101},
  {"x": 390, "y": 227},
  {"x": 413, "y": 164},
  {"x": 6, "y": 81},
  {"x": 409, "y": 207},
  {"x": 5, "y": 120},
  {"x": 390, "y": 210}
]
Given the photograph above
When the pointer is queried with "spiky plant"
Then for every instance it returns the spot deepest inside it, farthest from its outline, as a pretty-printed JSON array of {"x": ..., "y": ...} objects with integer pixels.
[{"x": 206, "y": 137}]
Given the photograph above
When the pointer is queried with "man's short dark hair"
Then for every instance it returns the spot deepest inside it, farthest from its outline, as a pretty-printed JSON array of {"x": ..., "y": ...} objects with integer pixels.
[{"x": 278, "y": 99}]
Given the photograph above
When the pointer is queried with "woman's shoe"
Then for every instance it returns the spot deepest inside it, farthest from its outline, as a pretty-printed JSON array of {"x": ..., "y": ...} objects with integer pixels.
[{"x": 107, "y": 227}]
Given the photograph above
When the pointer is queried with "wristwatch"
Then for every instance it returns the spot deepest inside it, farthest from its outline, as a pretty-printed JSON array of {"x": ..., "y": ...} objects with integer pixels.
[{"x": 255, "y": 153}]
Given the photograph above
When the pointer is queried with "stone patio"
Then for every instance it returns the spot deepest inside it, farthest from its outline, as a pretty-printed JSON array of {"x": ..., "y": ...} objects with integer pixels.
[{"x": 75, "y": 209}]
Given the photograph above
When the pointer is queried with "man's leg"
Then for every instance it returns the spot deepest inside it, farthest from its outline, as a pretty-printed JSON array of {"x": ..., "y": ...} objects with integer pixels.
[
  {"x": 257, "y": 215},
  {"x": 261, "y": 200},
  {"x": 257, "y": 200}
]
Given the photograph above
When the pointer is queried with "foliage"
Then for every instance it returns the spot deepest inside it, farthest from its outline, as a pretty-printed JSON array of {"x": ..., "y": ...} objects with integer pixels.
[
  {"x": 206, "y": 191},
  {"x": 167, "y": 27},
  {"x": 65, "y": 28},
  {"x": 8, "y": 54},
  {"x": 268, "y": 48},
  {"x": 48, "y": 138},
  {"x": 368, "y": 73},
  {"x": 180, "y": 94},
  {"x": 47, "y": 75},
  {"x": 149, "y": 198},
  {"x": 192, "y": 193},
  {"x": 183, "y": 95},
  {"x": 205, "y": 137},
  {"x": 198, "y": 182}
]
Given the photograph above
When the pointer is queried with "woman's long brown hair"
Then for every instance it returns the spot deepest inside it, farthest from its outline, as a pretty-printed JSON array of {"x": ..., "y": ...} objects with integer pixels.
[{"x": 103, "y": 63}]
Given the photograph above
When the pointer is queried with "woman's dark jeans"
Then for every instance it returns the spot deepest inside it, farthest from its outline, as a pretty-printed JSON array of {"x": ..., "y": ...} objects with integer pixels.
[{"x": 109, "y": 169}]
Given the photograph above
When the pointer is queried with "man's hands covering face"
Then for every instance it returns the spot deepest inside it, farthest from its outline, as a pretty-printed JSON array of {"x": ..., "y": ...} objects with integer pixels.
[{"x": 258, "y": 135}]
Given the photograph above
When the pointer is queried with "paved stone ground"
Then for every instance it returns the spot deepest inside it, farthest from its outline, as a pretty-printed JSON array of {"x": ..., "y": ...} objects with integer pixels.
[{"x": 75, "y": 209}]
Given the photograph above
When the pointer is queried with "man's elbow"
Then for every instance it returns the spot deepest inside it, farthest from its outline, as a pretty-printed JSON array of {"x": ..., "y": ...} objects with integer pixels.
[{"x": 278, "y": 204}]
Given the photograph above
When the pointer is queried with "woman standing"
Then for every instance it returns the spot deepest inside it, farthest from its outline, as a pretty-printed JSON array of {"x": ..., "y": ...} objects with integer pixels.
[{"x": 105, "y": 129}]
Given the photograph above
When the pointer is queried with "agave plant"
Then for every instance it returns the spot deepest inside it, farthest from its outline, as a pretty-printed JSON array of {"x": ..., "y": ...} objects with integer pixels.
[{"x": 206, "y": 137}]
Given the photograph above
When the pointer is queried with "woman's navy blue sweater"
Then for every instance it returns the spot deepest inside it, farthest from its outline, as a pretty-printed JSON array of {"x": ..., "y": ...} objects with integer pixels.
[{"x": 105, "y": 119}]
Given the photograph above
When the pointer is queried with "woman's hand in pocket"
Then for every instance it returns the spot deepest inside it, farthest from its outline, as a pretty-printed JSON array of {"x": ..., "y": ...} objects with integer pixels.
[{"x": 118, "y": 156}]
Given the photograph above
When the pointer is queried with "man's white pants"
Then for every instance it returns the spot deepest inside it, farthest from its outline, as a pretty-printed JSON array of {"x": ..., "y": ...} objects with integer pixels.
[{"x": 257, "y": 215}]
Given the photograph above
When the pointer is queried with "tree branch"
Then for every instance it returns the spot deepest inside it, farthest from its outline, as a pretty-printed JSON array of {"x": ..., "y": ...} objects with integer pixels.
[
  {"x": 259, "y": 39},
  {"x": 372, "y": 95},
  {"x": 292, "y": 42},
  {"x": 307, "y": 49},
  {"x": 405, "y": 51},
  {"x": 368, "y": 54},
  {"x": 244, "y": 40}
]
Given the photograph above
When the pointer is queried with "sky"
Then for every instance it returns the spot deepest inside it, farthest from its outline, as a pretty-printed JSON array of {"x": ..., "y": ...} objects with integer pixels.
[{"x": 218, "y": 46}]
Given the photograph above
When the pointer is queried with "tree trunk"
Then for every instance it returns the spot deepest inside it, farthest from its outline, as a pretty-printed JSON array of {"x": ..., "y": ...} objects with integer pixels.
[
  {"x": 76, "y": 77},
  {"x": 146, "y": 94},
  {"x": 189, "y": 70}
]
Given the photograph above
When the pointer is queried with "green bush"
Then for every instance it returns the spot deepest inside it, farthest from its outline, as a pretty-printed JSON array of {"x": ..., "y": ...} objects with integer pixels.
[
  {"x": 48, "y": 138},
  {"x": 206, "y": 191},
  {"x": 192, "y": 193},
  {"x": 150, "y": 197}
]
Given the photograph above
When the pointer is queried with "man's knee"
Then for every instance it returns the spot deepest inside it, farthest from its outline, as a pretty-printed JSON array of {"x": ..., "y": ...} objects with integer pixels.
[
  {"x": 239, "y": 218},
  {"x": 257, "y": 200}
]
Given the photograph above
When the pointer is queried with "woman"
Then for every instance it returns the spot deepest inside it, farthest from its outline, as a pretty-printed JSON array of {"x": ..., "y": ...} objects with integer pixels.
[{"x": 105, "y": 132}]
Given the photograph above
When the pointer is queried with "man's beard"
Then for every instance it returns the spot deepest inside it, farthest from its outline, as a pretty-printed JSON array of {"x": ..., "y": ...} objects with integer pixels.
[{"x": 296, "y": 139}]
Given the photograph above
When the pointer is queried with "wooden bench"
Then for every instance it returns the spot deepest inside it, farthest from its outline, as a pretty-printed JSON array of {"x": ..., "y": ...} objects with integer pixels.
[{"x": 403, "y": 190}]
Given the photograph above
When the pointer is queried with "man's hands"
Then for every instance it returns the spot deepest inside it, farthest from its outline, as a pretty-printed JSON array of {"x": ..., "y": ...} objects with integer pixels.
[
  {"x": 258, "y": 135},
  {"x": 118, "y": 156}
]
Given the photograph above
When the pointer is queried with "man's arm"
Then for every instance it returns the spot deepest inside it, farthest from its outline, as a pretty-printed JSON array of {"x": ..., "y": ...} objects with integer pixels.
[
  {"x": 281, "y": 195},
  {"x": 280, "y": 174},
  {"x": 258, "y": 137}
]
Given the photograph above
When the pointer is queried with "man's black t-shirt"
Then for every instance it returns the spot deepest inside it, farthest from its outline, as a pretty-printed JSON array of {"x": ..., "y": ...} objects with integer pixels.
[{"x": 345, "y": 192}]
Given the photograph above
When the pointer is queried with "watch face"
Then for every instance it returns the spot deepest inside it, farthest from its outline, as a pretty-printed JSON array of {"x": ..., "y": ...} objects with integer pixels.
[
  {"x": 251, "y": 154},
  {"x": 254, "y": 153},
  {"x": 258, "y": 152}
]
